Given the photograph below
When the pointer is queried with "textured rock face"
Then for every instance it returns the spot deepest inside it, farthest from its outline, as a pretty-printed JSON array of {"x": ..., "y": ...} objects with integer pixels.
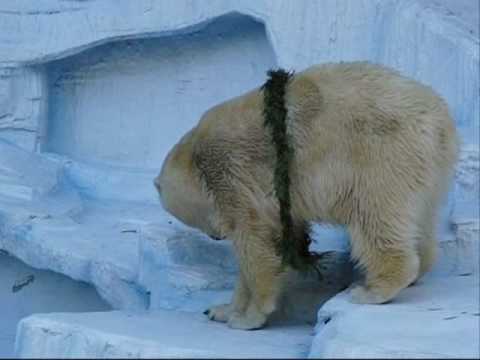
[
  {"x": 94, "y": 93},
  {"x": 184, "y": 269}
]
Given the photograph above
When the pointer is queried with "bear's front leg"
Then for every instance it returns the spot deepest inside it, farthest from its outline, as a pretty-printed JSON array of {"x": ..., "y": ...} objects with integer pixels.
[
  {"x": 239, "y": 304},
  {"x": 263, "y": 276}
]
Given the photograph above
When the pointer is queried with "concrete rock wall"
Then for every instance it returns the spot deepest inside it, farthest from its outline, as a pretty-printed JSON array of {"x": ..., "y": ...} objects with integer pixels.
[{"x": 109, "y": 86}]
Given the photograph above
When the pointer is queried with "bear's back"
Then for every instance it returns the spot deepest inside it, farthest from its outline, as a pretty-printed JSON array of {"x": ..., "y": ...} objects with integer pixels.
[{"x": 371, "y": 108}]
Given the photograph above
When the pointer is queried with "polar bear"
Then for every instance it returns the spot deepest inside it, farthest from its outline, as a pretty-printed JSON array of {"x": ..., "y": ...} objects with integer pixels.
[{"x": 374, "y": 152}]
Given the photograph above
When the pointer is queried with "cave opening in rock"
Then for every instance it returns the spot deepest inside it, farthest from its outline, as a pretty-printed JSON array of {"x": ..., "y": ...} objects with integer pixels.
[{"x": 125, "y": 103}]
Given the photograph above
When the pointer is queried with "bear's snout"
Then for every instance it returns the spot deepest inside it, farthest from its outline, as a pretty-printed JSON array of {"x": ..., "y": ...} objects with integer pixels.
[{"x": 156, "y": 182}]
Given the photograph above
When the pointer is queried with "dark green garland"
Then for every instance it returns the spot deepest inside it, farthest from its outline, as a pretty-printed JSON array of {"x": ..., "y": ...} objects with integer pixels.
[{"x": 293, "y": 245}]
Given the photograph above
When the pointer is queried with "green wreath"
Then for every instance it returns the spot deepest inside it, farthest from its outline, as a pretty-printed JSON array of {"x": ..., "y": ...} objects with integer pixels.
[{"x": 292, "y": 246}]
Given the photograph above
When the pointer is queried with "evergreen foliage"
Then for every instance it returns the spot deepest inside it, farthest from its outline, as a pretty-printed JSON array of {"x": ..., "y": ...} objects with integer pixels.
[{"x": 293, "y": 245}]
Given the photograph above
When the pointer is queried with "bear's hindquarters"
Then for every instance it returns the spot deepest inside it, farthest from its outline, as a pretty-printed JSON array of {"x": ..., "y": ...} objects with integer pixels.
[{"x": 396, "y": 206}]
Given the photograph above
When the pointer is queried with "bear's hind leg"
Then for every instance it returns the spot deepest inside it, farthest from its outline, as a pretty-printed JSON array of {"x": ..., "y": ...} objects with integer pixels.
[
  {"x": 427, "y": 221},
  {"x": 388, "y": 255},
  {"x": 427, "y": 242}
]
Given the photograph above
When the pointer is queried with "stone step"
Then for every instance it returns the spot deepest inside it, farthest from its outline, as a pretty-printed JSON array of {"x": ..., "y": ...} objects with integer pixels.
[
  {"x": 439, "y": 317},
  {"x": 24, "y": 175},
  {"x": 158, "y": 334},
  {"x": 45, "y": 238}
]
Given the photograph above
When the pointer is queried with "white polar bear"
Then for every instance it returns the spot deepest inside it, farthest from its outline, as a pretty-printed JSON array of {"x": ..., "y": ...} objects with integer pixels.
[{"x": 374, "y": 151}]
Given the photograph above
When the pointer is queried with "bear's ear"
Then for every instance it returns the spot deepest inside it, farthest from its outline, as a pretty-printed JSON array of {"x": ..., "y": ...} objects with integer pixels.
[{"x": 303, "y": 99}]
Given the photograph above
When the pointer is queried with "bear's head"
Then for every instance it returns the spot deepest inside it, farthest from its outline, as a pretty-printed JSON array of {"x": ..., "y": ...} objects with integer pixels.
[{"x": 181, "y": 192}]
